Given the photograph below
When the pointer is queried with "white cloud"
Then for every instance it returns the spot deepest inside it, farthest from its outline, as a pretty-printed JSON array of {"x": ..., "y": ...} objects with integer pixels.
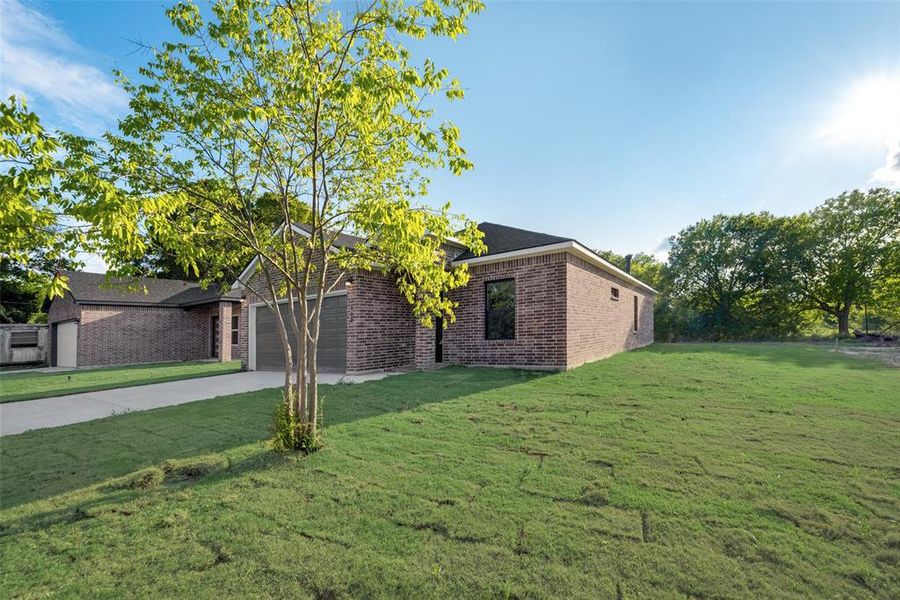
[
  {"x": 889, "y": 173},
  {"x": 868, "y": 115},
  {"x": 661, "y": 250},
  {"x": 92, "y": 263},
  {"x": 39, "y": 61}
]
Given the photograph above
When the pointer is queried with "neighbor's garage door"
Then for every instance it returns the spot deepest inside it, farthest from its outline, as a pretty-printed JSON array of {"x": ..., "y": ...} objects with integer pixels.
[
  {"x": 332, "y": 349},
  {"x": 67, "y": 344}
]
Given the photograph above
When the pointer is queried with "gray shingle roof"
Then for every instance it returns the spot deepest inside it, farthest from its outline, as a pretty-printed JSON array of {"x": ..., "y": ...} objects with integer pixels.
[
  {"x": 500, "y": 238},
  {"x": 93, "y": 288},
  {"x": 343, "y": 240}
]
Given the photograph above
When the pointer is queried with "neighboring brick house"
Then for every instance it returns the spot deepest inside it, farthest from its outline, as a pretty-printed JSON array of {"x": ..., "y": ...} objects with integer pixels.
[
  {"x": 533, "y": 300},
  {"x": 99, "y": 323}
]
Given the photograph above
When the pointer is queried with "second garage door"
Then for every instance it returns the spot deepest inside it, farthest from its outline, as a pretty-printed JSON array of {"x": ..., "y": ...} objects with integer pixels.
[
  {"x": 67, "y": 344},
  {"x": 332, "y": 350}
]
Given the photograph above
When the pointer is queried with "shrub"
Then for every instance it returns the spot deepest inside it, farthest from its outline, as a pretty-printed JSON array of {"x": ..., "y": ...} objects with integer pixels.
[{"x": 288, "y": 433}]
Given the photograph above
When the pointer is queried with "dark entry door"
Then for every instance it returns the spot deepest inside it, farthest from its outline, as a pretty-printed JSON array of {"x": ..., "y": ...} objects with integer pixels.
[
  {"x": 214, "y": 337},
  {"x": 439, "y": 340}
]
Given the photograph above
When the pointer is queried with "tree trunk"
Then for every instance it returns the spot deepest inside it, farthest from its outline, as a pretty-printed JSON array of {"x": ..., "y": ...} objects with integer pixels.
[
  {"x": 302, "y": 345},
  {"x": 844, "y": 321},
  {"x": 301, "y": 365},
  {"x": 312, "y": 395},
  {"x": 289, "y": 388}
]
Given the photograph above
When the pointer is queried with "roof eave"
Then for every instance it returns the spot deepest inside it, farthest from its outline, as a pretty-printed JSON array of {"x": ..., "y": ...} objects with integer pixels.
[
  {"x": 125, "y": 303},
  {"x": 210, "y": 301},
  {"x": 570, "y": 246},
  {"x": 159, "y": 304}
]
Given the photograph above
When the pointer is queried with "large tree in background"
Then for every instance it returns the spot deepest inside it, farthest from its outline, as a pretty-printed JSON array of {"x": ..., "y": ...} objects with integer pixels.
[
  {"x": 846, "y": 253},
  {"x": 220, "y": 251},
  {"x": 42, "y": 176},
  {"x": 24, "y": 289},
  {"x": 645, "y": 267},
  {"x": 885, "y": 298},
  {"x": 731, "y": 271},
  {"x": 325, "y": 113}
]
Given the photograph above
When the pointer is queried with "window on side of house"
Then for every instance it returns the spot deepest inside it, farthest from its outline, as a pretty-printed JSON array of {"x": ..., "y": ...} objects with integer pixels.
[
  {"x": 500, "y": 310},
  {"x": 235, "y": 321},
  {"x": 635, "y": 313},
  {"x": 614, "y": 294}
]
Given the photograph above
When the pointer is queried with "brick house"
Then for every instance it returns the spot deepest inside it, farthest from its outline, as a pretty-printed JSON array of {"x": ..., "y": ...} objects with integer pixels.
[
  {"x": 533, "y": 300},
  {"x": 97, "y": 324}
]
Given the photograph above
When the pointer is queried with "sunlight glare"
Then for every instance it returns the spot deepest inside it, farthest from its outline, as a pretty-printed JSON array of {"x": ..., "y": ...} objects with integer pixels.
[{"x": 869, "y": 111}]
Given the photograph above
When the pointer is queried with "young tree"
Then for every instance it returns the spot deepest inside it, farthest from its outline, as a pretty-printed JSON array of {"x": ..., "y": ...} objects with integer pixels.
[
  {"x": 322, "y": 111},
  {"x": 846, "y": 251}
]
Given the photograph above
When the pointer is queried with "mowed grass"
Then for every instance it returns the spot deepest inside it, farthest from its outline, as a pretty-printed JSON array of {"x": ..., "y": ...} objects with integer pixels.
[
  {"x": 15, "y": 386},
  {"x": 679, "y": 471}
]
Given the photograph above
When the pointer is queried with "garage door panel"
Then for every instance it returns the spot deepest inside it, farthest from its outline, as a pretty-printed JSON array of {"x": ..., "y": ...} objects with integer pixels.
[
  {"x": 67, "y": 344},
  {"x": 332, "y": 347}
]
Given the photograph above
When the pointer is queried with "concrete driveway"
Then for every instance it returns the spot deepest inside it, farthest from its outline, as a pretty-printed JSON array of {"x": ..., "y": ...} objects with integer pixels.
[{"x": 17, "y": 417}]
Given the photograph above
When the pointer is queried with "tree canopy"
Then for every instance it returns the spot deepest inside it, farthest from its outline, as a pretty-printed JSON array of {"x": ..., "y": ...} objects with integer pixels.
[
  {"x": 268, "y": 116},
  {"x": 757, "y": 276},
  {"x": 37, "y": 233},
  {"x": 846, "y": 250}
]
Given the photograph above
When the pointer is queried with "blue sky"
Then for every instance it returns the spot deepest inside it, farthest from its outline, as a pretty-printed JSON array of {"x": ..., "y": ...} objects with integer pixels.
[{"x": 615, "y": 123}]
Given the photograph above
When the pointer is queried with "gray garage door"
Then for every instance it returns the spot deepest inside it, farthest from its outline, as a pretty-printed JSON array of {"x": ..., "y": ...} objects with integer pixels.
[{"x": 332, "y": 351}]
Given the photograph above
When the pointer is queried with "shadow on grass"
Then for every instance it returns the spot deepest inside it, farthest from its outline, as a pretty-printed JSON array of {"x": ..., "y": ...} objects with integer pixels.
[
  {"x": 47, "y": 462},
  {"x": 797, "y": 354},
  {"x": 113, "y": 498}
]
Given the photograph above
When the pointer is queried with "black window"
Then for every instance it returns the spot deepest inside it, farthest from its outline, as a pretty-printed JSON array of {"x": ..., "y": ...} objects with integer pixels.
[
  {"x": 635, "y": 313},
  {"x": 614, "y": 293},
  {"x": 234, "y": 330},
  {"x": 500, "y": 310}
]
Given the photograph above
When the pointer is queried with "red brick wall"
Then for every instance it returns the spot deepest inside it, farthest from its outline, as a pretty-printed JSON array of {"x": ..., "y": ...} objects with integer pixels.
[
  {"x": 117, "y": 334},
  {"x": 244, "y": 343},
  {"x": 63, "y": 309},
  {"x": 380, "y": 325},
  {"x": 237, "y": 310},
  {"x": 425, "y": 342},
  {"x": 259, "y": 284},
  {"x": 540, "y": 315},
  {"x": 597, "y": 325},
  {"x": 564, "y": 317},
  {"x": 224, "y": 314},
  {"x": 110, "y": 335}
]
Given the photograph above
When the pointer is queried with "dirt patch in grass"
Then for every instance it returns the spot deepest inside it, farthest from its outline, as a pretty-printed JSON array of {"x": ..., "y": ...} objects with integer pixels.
[
  {"x": 193, "y": 468},
  {"x": 888, "y": 354},
  {"x": 144, "y": 479}
]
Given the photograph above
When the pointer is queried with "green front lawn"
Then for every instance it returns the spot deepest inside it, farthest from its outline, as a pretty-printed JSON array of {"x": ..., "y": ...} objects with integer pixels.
[
  {"x": 677, "y": 471},
  {"x": 28, "y": 386}
]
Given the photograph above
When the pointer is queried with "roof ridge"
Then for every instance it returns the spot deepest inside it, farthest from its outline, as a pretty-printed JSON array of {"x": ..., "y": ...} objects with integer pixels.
[
  {"x": 140, "y": 277},
  {"x": 86, "y": 287}
]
